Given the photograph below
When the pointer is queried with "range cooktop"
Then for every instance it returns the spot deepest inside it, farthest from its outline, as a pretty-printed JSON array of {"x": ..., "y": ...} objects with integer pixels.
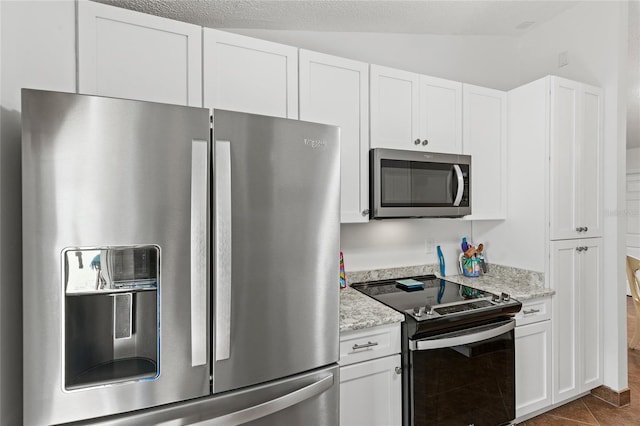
[{"x": 434, "y": 299}]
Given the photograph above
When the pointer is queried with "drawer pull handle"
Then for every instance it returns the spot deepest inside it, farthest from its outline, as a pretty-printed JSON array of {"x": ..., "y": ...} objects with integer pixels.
[
  {"x": 531, "y": 311},
  {"x": 398, "y": 370},
  {"x": 365, "y": 345}
]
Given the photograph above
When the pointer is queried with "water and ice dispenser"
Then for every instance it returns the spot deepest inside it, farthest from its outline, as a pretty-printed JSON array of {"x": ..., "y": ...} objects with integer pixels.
[{"x": 111, "y": 315}]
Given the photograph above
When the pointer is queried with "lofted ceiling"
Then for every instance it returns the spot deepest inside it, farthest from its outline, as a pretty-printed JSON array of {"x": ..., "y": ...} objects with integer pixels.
[{"x": 444, "y": 17}]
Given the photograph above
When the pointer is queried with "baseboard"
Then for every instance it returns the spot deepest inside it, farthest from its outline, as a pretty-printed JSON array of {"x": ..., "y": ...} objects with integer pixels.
[{"x": 615, "y": 398}]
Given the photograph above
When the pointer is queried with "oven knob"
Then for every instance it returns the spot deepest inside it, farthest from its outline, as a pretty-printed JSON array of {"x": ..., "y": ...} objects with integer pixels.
[
  {"x": 496, "y": 298},
  {"x": 505, "y": 297},
  {"x": 418, "y": 312},
  {"x": 428, "y": 309}
]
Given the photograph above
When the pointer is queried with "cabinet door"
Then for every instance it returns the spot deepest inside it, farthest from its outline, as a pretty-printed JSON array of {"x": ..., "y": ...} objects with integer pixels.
[
  {"x": 485, "y": 129},
  {"x": 371, "y": 393},
  {"x": 250, "y": 75},
  {"x": 564, "y": 280},
  {"x": 564, "y": 158},
  {"x": 577, "y": 276},
  {"x": 533, "y": 367},
  {"x": 591, "y": 279},
  {"x": 440, "y": 115},
  {"x": 132, "y": 55},
  {"x": 576, "y": 160},
  {"x": 335, "y": 91},
  {"x": 589, "y": 171},
  {"x": 394, "y": 108}
]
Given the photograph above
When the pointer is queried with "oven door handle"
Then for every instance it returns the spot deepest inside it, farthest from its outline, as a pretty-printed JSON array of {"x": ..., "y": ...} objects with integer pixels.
[{"x": 464, "y": 339}]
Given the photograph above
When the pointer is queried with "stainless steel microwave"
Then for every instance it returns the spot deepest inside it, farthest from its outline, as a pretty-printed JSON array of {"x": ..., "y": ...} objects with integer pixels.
[{"x": 418, "y": 184}]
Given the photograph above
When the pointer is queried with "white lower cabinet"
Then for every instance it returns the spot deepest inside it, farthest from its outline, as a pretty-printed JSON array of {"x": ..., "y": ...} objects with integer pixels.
[
  {"x": 533, "y": 367},
  {"x": 371, "y": 377},
  {"x": 371, "y": 392}
]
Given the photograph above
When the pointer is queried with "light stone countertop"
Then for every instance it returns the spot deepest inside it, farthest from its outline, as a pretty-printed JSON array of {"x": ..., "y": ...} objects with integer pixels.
[{"x": 358, "y": 311}]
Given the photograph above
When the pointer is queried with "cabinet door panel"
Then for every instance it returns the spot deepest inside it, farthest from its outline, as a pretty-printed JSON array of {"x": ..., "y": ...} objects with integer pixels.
[
  {"x": 533, "y": 367},
  {"x": 132, "y": 55},
  {"x": 590, "y": 165},
  {"x": 591, "y": 277},
  {"x": 441, "y": 115},
  {"x": 371, "y": 393},
  {"x": 250, "y": 75},
  {"x": 564, "y": 280},
  {"x": 485, "y": 127},
  {"x": 394, "y": 108},
  {"x": 563, "y": 152},
  {"x": 335, "y": 91}
]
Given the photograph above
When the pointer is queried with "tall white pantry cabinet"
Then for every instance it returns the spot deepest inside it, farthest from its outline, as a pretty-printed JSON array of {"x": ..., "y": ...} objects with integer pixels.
[{"x": 564, "y": 118}]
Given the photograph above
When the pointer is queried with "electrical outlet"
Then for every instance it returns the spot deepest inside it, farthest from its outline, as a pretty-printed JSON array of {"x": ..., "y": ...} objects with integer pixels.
[{"x": 430, "y": 245}]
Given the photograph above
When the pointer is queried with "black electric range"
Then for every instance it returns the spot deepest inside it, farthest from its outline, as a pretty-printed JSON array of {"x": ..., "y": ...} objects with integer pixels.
[
  {"x": 458, "y": 347},
  {"x": 439, "y": 304}
]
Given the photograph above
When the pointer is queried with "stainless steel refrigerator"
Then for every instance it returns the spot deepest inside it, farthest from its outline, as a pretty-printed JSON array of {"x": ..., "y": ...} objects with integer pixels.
[{"x": 175, "y": 268}]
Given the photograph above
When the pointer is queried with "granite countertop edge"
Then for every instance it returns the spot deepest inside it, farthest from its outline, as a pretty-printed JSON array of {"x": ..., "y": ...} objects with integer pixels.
[{"x": 358, "y": 311}]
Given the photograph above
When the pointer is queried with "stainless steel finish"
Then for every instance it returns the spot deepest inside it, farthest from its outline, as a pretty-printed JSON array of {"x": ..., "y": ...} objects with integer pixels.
[
  {"x": 364, "y": 346},
  {"x": 425, "y": 142},
  {"x": 312, "y": 395},
  {"x": 223, "y": 250},
  {"x": 398, "y": 370},
  {"x": 199, "y": 250},
  {"x": 272, "y": 406},
  {"x": 416, "y": 142},
  {"x": 471, "y": 335},
  {"x": 377, "y": 211},
  {"x": 531, "y": 311},
  {"x": 458, "y": 198},
  {"x": 285, "y": 233},
  {"x": 106, "y": 172}
]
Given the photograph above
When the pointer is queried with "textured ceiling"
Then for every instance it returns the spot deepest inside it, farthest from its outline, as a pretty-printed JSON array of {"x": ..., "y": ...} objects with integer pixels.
[{"x": 393, "y": 16}]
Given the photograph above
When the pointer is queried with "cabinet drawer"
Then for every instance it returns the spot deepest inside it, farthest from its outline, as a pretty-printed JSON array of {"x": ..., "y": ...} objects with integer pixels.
[
  {"x": 370, "y": 343},
  {"x": 534, "y": 310}
]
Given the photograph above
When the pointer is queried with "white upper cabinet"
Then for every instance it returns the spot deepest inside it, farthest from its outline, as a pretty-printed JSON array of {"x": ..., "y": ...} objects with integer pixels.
[
  {"x": 485, "y": 139},
  {"x": 335, "y": 91},
  {"x": 132, "y": 55},
  {"x": 250, "y": 75},
  {"x": 440, "y": 115},
  {"x": 395, "y": 100},
  {"x": 415, "y": 112},
  {"x": 576, "y": 160}
]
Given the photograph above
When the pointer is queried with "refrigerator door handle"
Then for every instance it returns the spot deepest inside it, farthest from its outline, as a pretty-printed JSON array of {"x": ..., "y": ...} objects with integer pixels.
[
  {"x": 273, "y": 406},
  {"x": 223, "y": 249},
  {"x": 199, "y": 252}
]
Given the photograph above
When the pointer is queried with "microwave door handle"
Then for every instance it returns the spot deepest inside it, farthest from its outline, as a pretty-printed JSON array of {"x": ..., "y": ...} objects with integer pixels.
[
  {"x": 199, "y": 250},
  {"x": 460, "y": 192},
  {"x": 223, "y": 249}
]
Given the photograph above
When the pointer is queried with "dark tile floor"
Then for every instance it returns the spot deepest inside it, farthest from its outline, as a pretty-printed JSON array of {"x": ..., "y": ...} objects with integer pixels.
[{"x": 590, "y": 410}]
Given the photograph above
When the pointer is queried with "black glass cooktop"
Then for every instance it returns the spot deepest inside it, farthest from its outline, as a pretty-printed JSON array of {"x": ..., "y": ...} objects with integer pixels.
[{"x": 436, "y": 299}]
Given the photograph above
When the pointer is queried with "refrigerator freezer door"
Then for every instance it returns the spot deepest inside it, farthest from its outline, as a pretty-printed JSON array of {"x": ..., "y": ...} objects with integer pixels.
[
  {"x": 124, "y": 184},
  {"x": 310, "y": 398},
  {"x": 277, "y": 270}
]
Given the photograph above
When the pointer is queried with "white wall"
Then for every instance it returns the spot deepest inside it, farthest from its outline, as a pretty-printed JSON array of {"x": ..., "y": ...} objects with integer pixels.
[
  {"x": 402, "y": 242},
  {"x": 45, "y": 61},
  {"x": 488, "y": 61}
]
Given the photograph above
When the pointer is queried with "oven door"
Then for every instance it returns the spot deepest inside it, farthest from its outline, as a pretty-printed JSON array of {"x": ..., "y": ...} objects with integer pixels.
[{"x": 464, "y": 378}]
